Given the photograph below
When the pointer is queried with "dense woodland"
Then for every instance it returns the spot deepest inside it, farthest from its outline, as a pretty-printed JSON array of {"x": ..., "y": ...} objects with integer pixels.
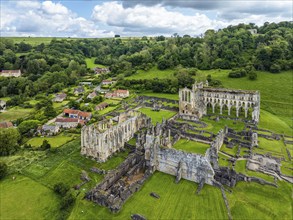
[{"x": 49, "y": 68}]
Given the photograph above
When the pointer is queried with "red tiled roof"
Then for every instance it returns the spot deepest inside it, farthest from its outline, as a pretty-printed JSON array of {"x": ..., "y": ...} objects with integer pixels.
[
  {"x": 84, "y": 114},
  {"x": 71, "y": 111},
  {"x": 6, "y": 124},
  {"x": 66, "y": 120},
  {"x": 121, "y": 91}
]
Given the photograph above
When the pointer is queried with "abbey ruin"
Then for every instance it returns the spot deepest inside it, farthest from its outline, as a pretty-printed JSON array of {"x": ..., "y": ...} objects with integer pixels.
[
  {"x": 107, "y": 137},
  {"x": 196, "y": 101},
  {"x": 154, "y": 149}
]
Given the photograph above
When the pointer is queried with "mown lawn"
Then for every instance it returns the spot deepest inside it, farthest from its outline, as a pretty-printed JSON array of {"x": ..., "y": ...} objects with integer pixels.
[
  {"x": 157, "y": 116},
  {"x": 177, "y": 201},
  {"x": 256, "y": 201},
  {"x": 15, "y": 113},
  {"x": 24, "y": 198},
  {"x": 54, "y": 141},
  {"x": 215, "y": 127},
  {"x": 90, "y": 63},
  {"x": 191, "y": 146},
  {"x": 153, "y": 73},
  {"x": 36, "y": 40},
  {"x": 160, "y": 95}
]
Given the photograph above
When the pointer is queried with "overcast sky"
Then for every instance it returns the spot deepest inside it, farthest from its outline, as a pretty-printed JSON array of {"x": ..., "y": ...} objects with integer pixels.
[{"x": 91, "y": 18}]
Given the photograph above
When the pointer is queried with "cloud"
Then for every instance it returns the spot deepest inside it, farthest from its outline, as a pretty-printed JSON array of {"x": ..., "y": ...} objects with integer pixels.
[
  {"x": 224, "y": 8},
  {"x": 152, "y": 19},
  {"x": 33, "y": 18}
]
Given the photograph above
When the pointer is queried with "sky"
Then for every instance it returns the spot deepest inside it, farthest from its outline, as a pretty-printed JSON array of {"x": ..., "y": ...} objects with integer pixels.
[{"x": 105, "y": 18}]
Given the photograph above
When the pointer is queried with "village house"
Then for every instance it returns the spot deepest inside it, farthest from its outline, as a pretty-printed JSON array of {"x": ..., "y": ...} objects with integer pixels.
[
  {"x": 2, "y": 105},
  {"x": 10, "y": 73},
  {"x": 120, "y": 93},
  {"x": 59, "y": 97},
  {"x": 48, "y": 130},
  {"x": 107, "y": 82},
  {"x": 68, "y": 122},
  {"x": 92, "y": 95},
  {"x": 86, "y": 83},
  {"x": 99, "y": 70},
  {"x": 6, "y": 124},
  {"x": 101, "y": 106},
  {"x": 78, "y": 90},
  {"x": 71, "y": 113}
]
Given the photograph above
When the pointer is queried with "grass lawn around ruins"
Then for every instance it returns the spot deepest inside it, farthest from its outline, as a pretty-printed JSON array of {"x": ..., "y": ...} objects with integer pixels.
[
  {"x": 24, "y": 198},
  {"x": 54, "y": 141},
  {"x": 152, "y": 73},
  {"x": 157, "y": 116},
  {"x": 191, "y": 146}
]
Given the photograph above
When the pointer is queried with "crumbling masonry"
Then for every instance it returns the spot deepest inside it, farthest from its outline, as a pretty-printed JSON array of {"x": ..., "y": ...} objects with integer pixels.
[
  {"x": 196, "y": 101},
  {"x": 101, "y": 140}
]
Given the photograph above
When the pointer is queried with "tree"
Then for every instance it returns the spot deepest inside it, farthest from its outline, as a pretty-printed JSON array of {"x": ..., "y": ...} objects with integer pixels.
[
  {"x": 9, "y": 138},
  {"x": 3, "y": 170},
  {"x": 45, "y": 145},
  {"x": 26, "y": 126},
  {"x": 67, "y": 201},
  {"x": 252, "y": 75},
  {"x": 61, "y": 189},
  {"x": 50, "y": 112}
]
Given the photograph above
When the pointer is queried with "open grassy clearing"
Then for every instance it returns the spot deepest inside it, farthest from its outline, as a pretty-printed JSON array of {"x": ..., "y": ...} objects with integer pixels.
[
  {"x": 160, "y": 95},
  {"x": 60, "y": 104},
  {"x": 90, "y": 63},
  {"x": 24, "y": 198},
  {"x": 256, "y": 201},
  {"x": 215, "y": 127},
  {"x": 191, "y": 146},
  {"x": 157, "y": 116},
  {"x": 15, "y": 113},
  {"x": 54, "y": 141},
  {"x": 178, "y": 201},
  {"x": 230, "y": 151},
  {"x": 152, "y": 73}
]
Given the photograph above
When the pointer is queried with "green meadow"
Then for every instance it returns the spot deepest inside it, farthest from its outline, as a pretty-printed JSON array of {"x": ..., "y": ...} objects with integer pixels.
[
  {"x": 191, "y": 146},
  {"x": 157, "y": 116},
  {"x": 152, "y": 73},
  {"x": 54, "y": 141},
  {"x": 15, "y": 113},
  {"x": 90, "y": 63}
]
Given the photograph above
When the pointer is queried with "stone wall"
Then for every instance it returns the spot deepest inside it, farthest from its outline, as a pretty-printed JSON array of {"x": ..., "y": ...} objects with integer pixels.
[
  {"x": 196, "y": 101},
  {"x": 193, "y": 167},
  {"x": 101, "y": 140}
]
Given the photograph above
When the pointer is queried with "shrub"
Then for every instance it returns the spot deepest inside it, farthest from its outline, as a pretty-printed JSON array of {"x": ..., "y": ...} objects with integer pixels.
[
  {"x": 61, "y": 189},
  {"x": 3, "y": 170},
  {"x": 275, "y": 68},
  {"x": 252, "y": 75},
  {"x": 67, "y": 201}
]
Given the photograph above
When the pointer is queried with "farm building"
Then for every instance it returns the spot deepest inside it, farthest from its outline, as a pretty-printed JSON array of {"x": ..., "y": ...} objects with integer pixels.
[{"x": 10, "y": 73}]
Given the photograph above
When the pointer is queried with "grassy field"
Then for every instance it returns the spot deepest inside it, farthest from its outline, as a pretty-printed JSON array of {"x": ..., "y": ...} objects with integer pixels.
[
  {"x": 160, "y": 95},
  {"x": 178, "y": 201},
  {"x": 152, "y": 73},
  {"x": 255, "y": 201},
  {"x": 24, "y": 198},
  {"x": 191, "y": 146},
  {"x": 36, "y": 40},
  {"x": 15, "y": 113},
  {"x": 54, "y": 141},
  {"x": 90, "y": 63},
  {"x": 157, "y": 116}
]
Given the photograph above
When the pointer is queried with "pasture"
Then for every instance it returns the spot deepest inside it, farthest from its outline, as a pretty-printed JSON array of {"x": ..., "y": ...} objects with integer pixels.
[
  {"x": 15, "y": 113},
  {"x": 34, "y": 41},
  {"x": 152, "y": 73},
  {"x": 54, "y": 141},
  {"x": 90, "y": 63},
  {"x": 27, "y": 199}
]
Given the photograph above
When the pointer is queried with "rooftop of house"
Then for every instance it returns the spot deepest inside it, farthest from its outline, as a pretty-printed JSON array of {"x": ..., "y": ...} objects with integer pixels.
[
  {"x": 10, "y": 71},
  {"x": 66, "y": 120},
  {"x": 77, "y": 112},
  {"x": 6, "y": 124},
  {"x": 103, "y": 104},
  {"x": 121, "y": 91}
]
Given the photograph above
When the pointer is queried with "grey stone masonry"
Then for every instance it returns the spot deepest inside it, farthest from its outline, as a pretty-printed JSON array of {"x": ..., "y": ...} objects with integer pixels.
[
  {"x": 196, "y": 101},
  {"x": 101, "y": 140}
]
